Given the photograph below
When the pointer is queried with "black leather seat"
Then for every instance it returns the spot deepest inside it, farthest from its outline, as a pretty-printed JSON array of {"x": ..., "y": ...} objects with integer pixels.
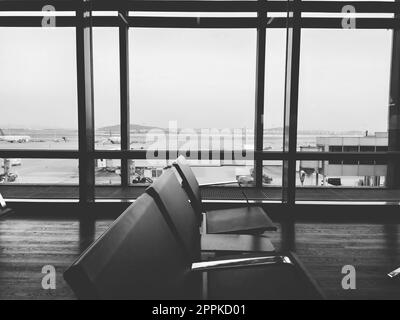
[
  {"x": 175, "y": 205},
  {"x": 146, "y": 254},
  {"x": 234, "y": 277},
  {"x": 246, "y": 220},
  {"x": 138, "y": 257},
  {"x": 265, "y": 282}
]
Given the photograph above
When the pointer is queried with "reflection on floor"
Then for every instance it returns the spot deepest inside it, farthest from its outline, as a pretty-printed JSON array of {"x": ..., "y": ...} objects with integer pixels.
[{"x": 373, "y": 249}]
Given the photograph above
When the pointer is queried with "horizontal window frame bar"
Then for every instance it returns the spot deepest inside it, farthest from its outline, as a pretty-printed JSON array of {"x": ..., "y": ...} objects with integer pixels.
[
  {"x": 39, "y": 154},
  {"x": 36, "y": 21},
  {"x": 361, "y": 23},
  {"x": 360, "y": 6},
  {"x": 188, "y": 6},
  {"x": 203, "y": 22},
  {"x": 138, "y": 22},
  {"x": 37, "y": 5},
  {"x": 172, "y": 154},
  {"x": 356, "y": 156},
  {"x": 202, "y": 6},
  {"x": 193, "y": 22}
]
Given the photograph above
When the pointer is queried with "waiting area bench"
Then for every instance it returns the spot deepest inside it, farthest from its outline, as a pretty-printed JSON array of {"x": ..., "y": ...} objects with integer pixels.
[{"x": 154, "y": 251}]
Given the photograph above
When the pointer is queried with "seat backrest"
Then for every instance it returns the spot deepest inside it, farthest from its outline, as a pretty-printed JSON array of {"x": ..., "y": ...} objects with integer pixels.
[
  {"x": 190, "y": 185},
  {"x": 138, "y": 257},
  {"x": 174, "y": 203}
]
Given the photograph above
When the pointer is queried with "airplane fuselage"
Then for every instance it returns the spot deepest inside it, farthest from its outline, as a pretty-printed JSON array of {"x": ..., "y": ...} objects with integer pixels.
[{"x": 18, "y": 139}]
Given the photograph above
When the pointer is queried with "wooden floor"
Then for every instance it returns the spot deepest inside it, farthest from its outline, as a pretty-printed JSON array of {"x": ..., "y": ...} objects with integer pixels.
[{"x": 374, "y": 250}]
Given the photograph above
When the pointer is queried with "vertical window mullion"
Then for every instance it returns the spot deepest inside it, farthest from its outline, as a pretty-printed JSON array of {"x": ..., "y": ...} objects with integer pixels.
[
  {"x": 260, "y": 88},
  {"x": 124, "y": 94},
  {"x": 291, "y": 102},
  {"x": 84, "y": 56}
]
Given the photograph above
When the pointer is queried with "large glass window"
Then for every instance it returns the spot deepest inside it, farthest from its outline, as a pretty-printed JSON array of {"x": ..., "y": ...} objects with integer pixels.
[{"x": 194, "y": 89}]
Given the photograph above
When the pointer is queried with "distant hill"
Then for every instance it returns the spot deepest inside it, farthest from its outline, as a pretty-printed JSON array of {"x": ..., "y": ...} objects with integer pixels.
[
  {"x": 35, "y": 131},
  {"x": 115, "y": 129},
  {"x": 279, "y": 130},
  {"x": 133, "y": 127}
]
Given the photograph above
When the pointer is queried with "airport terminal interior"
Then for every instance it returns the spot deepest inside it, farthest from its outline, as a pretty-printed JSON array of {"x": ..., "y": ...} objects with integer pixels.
[{"x": 199, "y": 149}]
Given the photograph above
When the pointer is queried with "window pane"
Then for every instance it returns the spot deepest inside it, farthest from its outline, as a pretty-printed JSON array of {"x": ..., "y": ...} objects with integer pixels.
[
  {"x": 316, "y": 173},
  {"x": 145, "y": 172},
  {"x": 221, "y": 172},
  {"x": 108, "y": 172},
  {"x": 335, "y": 148},
  {"x": 344, "y": 84},
  {"x": 350, "y": 149},
  {"x": 272, "y": 173},
  {"x": 195, "y": 87},
  {"x": 39, "y": 171},
  {"x": 106, "y": 88},
  {"x": 198, "y": 78},
  {"x": 275, "y": 64},
  {"x": 381, "y": 149},
  {"x": 367, "y": 149},
  {"x": 38, "y": 83}
]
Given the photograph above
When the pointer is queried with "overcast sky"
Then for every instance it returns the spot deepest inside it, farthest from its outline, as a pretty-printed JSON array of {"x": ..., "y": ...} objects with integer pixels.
[{"x": 199, "y": 78}]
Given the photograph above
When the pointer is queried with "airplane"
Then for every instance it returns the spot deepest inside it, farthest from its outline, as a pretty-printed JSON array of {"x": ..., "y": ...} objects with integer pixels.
[{"x": 13, "y": 139}]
